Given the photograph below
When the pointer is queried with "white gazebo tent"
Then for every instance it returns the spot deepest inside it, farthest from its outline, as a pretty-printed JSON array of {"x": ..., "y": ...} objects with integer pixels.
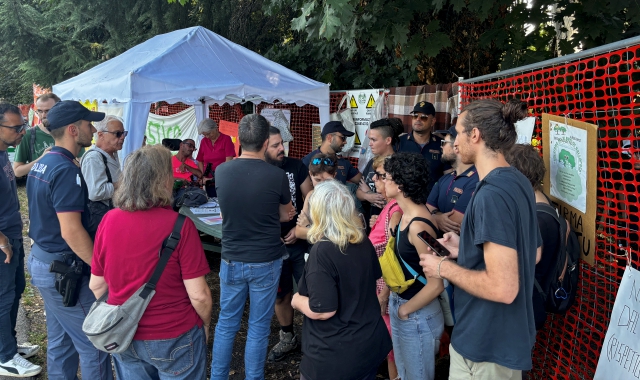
[{"x": 194, "y": 66}]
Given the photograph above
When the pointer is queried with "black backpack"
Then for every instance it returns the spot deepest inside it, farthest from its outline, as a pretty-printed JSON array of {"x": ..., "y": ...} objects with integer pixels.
[{"x": 560, "y": 288}]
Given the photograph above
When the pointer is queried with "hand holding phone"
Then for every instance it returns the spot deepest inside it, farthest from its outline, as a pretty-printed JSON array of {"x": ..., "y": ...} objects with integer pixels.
[{"x": 434, "y": 244}]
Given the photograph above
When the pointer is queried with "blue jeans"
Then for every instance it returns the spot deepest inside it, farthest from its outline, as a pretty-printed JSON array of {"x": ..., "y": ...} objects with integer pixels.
[
  {"x": 12, "y": 285},
  {"x": 417, "y": 339},
  {"x": 179, "y": 358},
  {"x": 67, "y": 345},
  {"x": 237, "y": 280}
]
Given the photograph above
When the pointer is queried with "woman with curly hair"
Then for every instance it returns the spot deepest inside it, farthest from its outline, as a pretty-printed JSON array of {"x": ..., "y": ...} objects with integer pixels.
[{"x": 415, "y": 314}]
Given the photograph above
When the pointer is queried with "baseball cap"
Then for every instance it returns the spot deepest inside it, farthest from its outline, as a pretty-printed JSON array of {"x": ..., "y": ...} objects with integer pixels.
[
  {"x": 443, "y": 132},
  {"x": 68, "y": 112},
  {"x": 425, "y": 108},
  {"x": 336, "y": 126}
]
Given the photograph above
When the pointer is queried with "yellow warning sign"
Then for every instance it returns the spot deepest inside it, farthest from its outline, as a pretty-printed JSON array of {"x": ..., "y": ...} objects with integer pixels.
[
  {"x": 371, "y": 101},
  {"x": 353, "y": 103},
  {"x": 357, "y": 140}
]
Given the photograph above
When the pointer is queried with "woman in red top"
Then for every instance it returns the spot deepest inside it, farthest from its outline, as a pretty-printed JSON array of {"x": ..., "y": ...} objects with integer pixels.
[
  {"x": 215, "y": 148},
  {"x": 170, "y": 341}
]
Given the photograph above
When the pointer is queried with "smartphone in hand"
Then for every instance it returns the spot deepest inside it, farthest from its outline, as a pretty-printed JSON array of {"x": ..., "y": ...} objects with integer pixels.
[{"x": 434, "y": 244}]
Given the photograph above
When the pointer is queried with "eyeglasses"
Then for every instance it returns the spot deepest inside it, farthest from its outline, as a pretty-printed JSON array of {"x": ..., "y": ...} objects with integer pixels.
[
  {"x": 421, "y": 117},
  {"x": 118, "y": 134},
  {"x": 443, "y": 142},
  {"x": 324, "y": 161},
  {"x": 380, "y": 176},
  {"x": 16, "y": 128},
  {"x": 339, "y": 136},
  {"x": 190, "y": 145}
]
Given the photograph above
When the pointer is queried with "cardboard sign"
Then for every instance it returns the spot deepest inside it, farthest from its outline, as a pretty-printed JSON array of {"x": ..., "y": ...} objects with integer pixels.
[{"x": 230, "y": 129}]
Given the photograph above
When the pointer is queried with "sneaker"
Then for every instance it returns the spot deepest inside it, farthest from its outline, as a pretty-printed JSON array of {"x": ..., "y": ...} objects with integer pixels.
[
  {"x": 288, "y": 344},
  {"x": 19, "y": 367},
  {"x": 27, "y": 350}
]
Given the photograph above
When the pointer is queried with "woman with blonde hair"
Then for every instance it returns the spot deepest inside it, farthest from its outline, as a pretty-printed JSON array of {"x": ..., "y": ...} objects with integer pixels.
[
  {"x": 344, "y": 336},
  {"x": 171, "y": 337}
]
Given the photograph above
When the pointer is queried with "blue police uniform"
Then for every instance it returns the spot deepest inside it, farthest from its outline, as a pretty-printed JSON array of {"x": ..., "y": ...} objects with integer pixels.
[
  {"x": 431, "y": 152},
  {"x": 453, "y": 192},
  {"x": 55, "y": 185},
  {"x": 345, "y": 171}
]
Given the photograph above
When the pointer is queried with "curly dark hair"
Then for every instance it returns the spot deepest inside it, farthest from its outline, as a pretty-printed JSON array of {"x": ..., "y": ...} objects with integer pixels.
[
  {"x": 411, "y": 172},
  {"x": 528, "y": 161}
]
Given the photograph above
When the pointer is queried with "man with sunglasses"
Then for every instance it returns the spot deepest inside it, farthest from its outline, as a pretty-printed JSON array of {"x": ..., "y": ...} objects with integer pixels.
[
  {"x": 37, "y": 141},
  {"x": 450, "y": 196},
  {"x": 101, "y": 167},
  {"x": 59, "y": 216},
  {"x": 422, "y": 140},
  {"x": 334, "y": 137},
  {"x": 12, "y": 280},
  {"x": 184, "y": 166}
]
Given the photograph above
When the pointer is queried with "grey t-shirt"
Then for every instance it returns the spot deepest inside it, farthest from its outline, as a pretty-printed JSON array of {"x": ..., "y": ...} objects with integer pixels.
[
  {"x": 95, "y": 174},
  {"x": 502, "y": 211},
  {"x": 10, "y": 219},
  {"x": 250, "y": 193}
]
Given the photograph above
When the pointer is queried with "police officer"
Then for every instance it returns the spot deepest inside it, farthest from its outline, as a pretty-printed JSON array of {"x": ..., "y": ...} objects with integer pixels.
[
  {"x": 58, "y": 213},
  {"x": 450, "y": 196},
  {"x": 422, "y": 140}
]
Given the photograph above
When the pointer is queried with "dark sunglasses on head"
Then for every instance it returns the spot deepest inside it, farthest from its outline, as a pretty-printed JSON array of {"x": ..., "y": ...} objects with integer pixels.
[
  {"x": 421, "y": 117},
  {"x": 119, "y": 134},
  {"x": 16, "y": 128},
  {"x": 324, "y": 161}
]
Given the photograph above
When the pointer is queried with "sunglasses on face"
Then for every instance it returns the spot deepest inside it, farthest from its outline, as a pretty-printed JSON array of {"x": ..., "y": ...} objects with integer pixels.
[
  {"x": 444, "y": 142},
  {"x": 16, "y": 128},
  {"x": 339, "y": 136},
  {"x": 380, "y": 176},
  {"x": 119, "y": 134},
  {"x": 324, "y": 161},
  {"x": 421, "y": 117}
]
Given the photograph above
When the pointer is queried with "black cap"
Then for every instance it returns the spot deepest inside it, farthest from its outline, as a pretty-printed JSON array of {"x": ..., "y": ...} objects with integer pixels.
[
  {"x": 443, "y": 132},
  {"x": 425, "y": 108},
  {"x": 68, "y": 112},
  {"x": 336, "y": 126}
]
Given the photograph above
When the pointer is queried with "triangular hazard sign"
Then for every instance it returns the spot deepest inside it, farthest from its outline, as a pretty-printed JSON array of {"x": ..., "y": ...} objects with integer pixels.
[
  {"x": 357, "y": 140},
  {"x": 353, "y": 102},
  {"x": 371, "y": 102}
]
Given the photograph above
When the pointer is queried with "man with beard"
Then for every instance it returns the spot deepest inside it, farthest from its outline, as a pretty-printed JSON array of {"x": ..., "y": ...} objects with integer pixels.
[
  {"x": 59, "y": 216},
  {"x": 334, "y": 137},
  {"x": 422, "y": 140},
  {"x": 292, "y": 268},
  {"x": 101, "y": 168},
  {"x": 37, "y": 141},
  {"x": 450, "y": 196}
]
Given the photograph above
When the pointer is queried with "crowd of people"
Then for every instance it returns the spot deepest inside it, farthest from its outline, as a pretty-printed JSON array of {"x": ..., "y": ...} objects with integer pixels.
[{"x": 317, "y": 223}]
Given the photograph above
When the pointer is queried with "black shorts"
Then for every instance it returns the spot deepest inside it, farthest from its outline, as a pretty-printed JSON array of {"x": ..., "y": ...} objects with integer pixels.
[{"x": 292, "y": 268}]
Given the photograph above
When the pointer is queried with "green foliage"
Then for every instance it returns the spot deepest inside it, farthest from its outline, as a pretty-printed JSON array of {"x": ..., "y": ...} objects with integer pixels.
[{"x": 348, "y": 43}]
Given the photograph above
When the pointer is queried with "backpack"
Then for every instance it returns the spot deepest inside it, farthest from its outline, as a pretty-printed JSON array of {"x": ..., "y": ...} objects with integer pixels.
[
  {"x": 98, "y": 209},
  {"x": 560, "y": 288}
]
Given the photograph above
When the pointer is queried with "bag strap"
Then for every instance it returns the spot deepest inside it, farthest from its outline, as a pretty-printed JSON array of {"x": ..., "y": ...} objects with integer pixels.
[
  {"x": 32, "y": 143},
  {"x": 344, "y": 99},
  {"x": 168, "y": 246},
  {"x": 415, "y": 274}
]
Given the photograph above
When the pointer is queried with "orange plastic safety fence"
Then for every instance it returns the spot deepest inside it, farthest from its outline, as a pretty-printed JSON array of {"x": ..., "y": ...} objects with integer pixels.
[{"x": 603, "y": 90}]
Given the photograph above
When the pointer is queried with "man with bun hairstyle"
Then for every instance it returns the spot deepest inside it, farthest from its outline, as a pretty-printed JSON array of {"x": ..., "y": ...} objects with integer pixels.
[
  {"x": 497, "y": 251},
  {"x": 59, "y": 216}
]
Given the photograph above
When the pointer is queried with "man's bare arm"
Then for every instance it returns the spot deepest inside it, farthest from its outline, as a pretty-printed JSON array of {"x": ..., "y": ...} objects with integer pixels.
[{"x": 74, "y": 233}]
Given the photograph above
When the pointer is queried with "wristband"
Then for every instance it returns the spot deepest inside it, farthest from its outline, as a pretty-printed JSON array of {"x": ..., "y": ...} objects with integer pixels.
[
  {"x": 439, "y": 264},
  {"x": 5, "y": 246}
]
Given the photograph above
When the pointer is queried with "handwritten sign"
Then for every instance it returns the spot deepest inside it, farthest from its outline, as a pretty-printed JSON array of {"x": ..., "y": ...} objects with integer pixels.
[
  {"x": 231, "y": 129},
  {"x": 620, "y": 355}
]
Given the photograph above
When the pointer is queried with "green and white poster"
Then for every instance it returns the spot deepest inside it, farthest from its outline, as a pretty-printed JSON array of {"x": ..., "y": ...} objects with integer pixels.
[{"x": 568, "y": 164}]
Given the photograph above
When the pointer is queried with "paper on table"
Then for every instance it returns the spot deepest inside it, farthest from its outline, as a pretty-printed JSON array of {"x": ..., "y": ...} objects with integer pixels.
[
  {"x": 211, "y": 220},
  {"x": 205, "y": 210}
]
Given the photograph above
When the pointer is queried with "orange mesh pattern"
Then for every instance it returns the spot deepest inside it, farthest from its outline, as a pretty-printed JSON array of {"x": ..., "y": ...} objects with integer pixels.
[{"x": 603, "y": 90}]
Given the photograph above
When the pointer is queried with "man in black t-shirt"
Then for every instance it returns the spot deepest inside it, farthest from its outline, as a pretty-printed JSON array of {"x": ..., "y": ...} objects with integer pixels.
[
  {"x": 254, "y": 199},
  {"x": 497, "y": 251},
  {"x": 292, "y": 268}
]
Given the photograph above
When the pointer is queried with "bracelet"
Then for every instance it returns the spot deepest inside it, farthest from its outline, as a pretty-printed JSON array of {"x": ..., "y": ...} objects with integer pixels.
[
  {"x": 439, "y": 264},
  {"x": 4, "y": 246}
]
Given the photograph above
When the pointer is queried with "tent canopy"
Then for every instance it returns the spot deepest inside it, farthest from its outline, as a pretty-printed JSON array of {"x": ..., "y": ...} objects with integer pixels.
[{"x": 194, "y": 66}]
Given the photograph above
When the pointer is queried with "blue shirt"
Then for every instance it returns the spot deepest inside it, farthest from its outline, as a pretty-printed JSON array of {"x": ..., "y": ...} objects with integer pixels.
[
  {"x": 55, "y": 185},
  {"x": 453, "y": 192},
  {"x": 345, "y": 171},
  {"x": 432, "y": 152},
  {"x": 10, "y": 219}
]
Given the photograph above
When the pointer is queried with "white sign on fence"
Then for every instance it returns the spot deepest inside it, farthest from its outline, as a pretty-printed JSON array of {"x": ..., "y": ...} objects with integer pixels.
[
  {"x": 620, "y": 355},
  {"x": 178, "y": 126},
  {"x": 568, "y": 164},
  {"x": 524, "y": 129},
  {"x": 362, "y": 103}
]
